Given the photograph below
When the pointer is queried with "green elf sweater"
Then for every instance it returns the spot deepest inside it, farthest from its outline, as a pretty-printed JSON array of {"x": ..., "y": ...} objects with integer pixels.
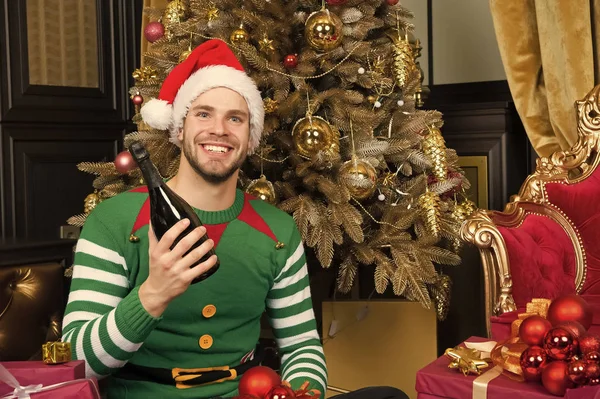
[{"x": 214, "y": 323}]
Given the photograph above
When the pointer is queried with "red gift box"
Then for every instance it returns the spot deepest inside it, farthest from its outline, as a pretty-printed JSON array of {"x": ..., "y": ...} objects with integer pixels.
[
  {"x": 65, "y": 380},
  {"x": 437, "y": 381},
  {"x": 38, "y": 372},
  {"x": 77, "y": 389}
]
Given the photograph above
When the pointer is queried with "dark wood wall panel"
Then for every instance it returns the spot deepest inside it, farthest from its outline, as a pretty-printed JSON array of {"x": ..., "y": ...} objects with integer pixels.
[
  {"x": 46, "y": 187},
  {"x": 45, "y": 131}
]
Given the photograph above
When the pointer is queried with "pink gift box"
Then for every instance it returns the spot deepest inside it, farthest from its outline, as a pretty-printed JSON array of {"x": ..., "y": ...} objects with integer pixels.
[
  {"x": 437, "y": 381},
  {"x": 79, "y": 389},
  {"x": 37, "y": 372}
]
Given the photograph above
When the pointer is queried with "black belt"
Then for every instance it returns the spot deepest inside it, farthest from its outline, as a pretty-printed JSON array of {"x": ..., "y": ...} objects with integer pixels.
[{"x": 187, "y": 378}]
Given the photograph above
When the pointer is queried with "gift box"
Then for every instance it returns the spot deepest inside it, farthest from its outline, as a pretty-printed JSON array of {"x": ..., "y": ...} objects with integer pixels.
[
  {"x": 437, "y": 380},
  {"x": 38, "y": 372},
  {"x": 44, "y": 381},
  {"x": 76, "y": 389}
]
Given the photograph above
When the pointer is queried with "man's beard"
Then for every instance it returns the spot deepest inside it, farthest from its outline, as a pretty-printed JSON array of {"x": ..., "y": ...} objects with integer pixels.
[{"x": 208, "y": 176}]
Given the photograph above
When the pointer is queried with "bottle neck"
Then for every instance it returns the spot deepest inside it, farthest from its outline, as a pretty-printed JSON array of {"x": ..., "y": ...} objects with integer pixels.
[{"x": 151, "y": 175}]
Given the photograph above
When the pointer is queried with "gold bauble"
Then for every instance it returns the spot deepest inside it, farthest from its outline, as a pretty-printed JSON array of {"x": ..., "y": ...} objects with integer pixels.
[
  {"x": 184, "y": 54},
  {"x": 263, "y": 189},
  {"x": 323, "y": 30},
  {"x": 175, "y": 12},
  {"x": 371, "y": 99},
  {"x": 240, "y": 35},
  {"x": 312, "y": 134},
  {"x": 90, "y": 202},
  {"x": 359, "y": 177}
]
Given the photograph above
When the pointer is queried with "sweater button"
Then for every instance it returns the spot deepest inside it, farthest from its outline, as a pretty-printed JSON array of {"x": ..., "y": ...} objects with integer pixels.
[
  {"x": 209, "y": 311},
  {"x": 205, "y": 341}
]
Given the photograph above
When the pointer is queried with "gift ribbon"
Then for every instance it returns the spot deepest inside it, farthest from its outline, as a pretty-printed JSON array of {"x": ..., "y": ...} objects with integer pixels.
[
  {"x": 504, "y": 355},
  {"x": 25, "y": 392},
  {"x": 480, "y": 384}
]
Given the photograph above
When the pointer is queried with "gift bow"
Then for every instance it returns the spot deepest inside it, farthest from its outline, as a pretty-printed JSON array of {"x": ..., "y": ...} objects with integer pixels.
[
  {"x": 24, "y": 392},
  {"x": 19, "y": 392}
]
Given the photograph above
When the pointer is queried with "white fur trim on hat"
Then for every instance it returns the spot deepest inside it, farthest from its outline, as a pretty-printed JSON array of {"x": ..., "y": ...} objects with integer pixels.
[
  {"x": 219, "y": 76},
  {"x": 157, "y": 113}
]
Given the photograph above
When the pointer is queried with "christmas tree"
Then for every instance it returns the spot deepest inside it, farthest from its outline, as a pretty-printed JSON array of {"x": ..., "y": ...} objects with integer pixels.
[{"x": 347, "y": 150}]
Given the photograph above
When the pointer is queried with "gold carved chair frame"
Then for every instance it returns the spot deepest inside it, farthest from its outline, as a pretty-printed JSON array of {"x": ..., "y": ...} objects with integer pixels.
[{"x": 563, "y": 167}]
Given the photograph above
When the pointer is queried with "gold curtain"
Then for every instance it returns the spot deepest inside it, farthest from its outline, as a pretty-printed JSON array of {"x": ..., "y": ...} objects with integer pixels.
[
  {"x": 146, "y": 20},
  {"x": 548, "y": 49},
  {"x": 62, "y": 45}
]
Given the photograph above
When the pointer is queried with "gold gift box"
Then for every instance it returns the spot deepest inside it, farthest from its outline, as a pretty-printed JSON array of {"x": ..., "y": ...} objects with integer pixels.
[{"x": 56, "y": 352}]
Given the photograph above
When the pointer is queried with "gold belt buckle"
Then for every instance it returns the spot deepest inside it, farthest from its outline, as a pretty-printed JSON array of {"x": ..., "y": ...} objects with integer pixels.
[{"x": 190, "y": 374}]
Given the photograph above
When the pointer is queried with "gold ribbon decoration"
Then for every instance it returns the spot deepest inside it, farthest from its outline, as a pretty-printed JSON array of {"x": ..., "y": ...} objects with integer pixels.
[{"x": 466, "y": 360}]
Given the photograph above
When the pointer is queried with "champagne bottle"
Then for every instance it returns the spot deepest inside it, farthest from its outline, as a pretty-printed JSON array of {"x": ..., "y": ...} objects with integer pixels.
[{"x": 168, "y": 208}]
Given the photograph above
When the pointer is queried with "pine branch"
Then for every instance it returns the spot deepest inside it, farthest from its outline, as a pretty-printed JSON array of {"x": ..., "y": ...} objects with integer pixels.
[
  {"x": 346, "y": 274},
  {"x": 77, "y": 220},
  {"x": 363, "y": 253},
  {"x": 98, "y": 168},
  {"x": 381, "y": 279}
]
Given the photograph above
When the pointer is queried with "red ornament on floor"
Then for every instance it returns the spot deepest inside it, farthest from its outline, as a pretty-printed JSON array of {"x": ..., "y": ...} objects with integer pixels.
[
  {"x": 532, "y": 361},
  {"x": 281, "y": 392},
  {"x": 391, "y": 2},
  {"x": 124, "y": 162},
  {"x": 589, "y": 344},
  {"x": 555, "y": 378},
  {"x": 258, "y": 381},
  {"x": 592, "y": 370},
  {"x": 570, "y": 307},
  {"x": 154, "y": 31},
  {"x": 577, "y": 372},
  {"x": 592, "y": 357},
  {"x": 533, "y": 329},
  {"x": 290, "y": 61},
  {"x": 560, "y": 344},
  {"x": 574, "y": 327}
]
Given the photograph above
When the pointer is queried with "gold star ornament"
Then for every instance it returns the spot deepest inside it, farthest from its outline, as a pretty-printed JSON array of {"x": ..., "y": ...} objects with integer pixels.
[{"x": 266, "y": 45}]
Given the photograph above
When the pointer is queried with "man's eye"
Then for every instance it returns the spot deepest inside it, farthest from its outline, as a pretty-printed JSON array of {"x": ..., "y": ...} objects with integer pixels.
[
  {"x": 202, "y": 114},
  {"x": 235, "y": 119}
]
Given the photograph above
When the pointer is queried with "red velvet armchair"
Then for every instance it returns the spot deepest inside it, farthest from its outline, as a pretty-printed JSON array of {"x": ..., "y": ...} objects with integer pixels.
[{"x": 546, "y": 242}]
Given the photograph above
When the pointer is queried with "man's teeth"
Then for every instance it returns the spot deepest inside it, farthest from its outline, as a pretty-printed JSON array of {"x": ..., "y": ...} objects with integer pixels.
[{"x": 216, "y": 148}]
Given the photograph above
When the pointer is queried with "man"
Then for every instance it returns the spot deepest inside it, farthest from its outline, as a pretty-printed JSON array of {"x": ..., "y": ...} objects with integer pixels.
[{"x": 132, "y": 313}]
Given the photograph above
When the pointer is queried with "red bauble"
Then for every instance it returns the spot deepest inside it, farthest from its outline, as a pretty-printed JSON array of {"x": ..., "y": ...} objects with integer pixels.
[
  {"x": 560, "y": 344},
  {"x": 589, "y": 343},
  {"x": 154, "y": 31},
  {"x": 290, "y": 61},
  {"x": 570, "y": 307},
  {"x": 575, "y": 327},
  {"x": 577, "y": 372},
  {"x": 533, "y": 329},
  {"x": 555, "y": 378},
  {"x": 281, "y": 392},
  {"x": 592, "y": 356},
  {"x": 391, "y": 2},
  {"x": 336, "y": 2},
  {"x": 592, "y": 370},
  {"x": 124, "y": 162},
  {"x": 533, "y": 360},
  {"x": 137, "y": 99},
  {"x": 258, "y": 381}
]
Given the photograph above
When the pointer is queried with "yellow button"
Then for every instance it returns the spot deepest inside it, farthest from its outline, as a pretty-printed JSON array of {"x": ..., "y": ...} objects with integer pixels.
[
  {"x": 205, "y": 341},
  {"x": 209, "y": 311}
]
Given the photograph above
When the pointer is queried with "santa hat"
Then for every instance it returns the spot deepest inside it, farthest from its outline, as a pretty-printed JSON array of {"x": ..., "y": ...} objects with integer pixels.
[{"x": 212, "y": 64}]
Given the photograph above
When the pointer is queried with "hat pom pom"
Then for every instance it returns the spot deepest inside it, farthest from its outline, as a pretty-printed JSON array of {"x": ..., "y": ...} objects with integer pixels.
[{"x": 157, "y": 113}]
